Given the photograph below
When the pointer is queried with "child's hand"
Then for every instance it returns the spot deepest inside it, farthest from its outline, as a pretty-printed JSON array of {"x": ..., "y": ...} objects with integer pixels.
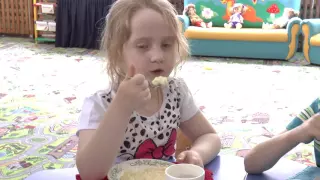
[
  {"x": 190, "y": 157},
  {"x": 134, "y": 90},
  {"x": 311, "y": 128}
]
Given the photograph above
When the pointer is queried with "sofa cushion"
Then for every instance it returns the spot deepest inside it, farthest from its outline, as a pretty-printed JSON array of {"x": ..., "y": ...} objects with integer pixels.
[
  {"x": 315, "y": 40},
  {"x": 258, "y": 11},
  {"x": 245, "y": 34}
]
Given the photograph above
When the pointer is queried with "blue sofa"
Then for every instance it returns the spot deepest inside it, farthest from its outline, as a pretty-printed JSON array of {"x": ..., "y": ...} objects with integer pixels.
[
  {"x": 249, "y": 42},
  {"x": 311, "y": 41}
]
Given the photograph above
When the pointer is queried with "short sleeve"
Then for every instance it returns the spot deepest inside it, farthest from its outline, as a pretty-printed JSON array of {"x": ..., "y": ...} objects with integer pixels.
[
  {"x": 305, "y": 114},
  {"x": 188, "y": 106},
  {"x": 93, "y": 110},
  {"x": 294, "y": 123}
]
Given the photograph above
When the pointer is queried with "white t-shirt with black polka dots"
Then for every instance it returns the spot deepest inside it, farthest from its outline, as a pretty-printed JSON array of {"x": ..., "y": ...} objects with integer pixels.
[{"x": 145, "y": 137}]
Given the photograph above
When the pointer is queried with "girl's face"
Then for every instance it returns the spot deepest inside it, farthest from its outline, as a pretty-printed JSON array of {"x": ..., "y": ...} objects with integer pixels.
[{"x": 152, "y": 46}]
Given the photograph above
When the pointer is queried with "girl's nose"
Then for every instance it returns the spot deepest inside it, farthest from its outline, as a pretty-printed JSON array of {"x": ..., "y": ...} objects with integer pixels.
[{"x": 157, "y": 56}]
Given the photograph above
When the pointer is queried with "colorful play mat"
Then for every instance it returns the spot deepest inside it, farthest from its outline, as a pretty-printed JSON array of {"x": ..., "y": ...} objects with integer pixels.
[{"x": 42, "y": 89}]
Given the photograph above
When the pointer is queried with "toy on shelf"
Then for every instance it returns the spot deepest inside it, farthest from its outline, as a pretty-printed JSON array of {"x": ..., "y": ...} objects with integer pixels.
[
  {"x": 195, "y": 19},
  {"x": 236, "y": 18},
  {"x": 282, "y": 21},
  {"x": 44, "y": 20}
]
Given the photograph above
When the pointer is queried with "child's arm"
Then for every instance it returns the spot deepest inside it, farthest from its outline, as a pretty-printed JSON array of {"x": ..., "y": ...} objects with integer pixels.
[
  {"x": 265, "y": 155},
  {"x": 206, "y": 143},
  {"x": 205, "y": 140},
  {"x": 304, "y": 128},
  {"x": 98, "y": 148}
]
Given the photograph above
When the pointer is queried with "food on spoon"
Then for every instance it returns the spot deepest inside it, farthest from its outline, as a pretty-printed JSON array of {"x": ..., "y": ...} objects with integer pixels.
[{"x": 160, "y": 81}]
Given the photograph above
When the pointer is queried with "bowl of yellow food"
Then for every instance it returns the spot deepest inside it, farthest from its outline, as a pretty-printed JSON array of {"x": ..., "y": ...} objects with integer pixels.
[{"x": 141, "y": 169}]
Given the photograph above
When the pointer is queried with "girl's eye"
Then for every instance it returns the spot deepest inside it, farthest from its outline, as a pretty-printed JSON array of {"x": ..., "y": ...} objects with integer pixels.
[
  {"x": 166, "y": 45},
  {"x": 142, "y": 46}
]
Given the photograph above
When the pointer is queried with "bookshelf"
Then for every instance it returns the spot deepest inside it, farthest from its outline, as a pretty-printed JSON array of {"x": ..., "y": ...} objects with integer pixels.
[{"x": 44, "y": 14}]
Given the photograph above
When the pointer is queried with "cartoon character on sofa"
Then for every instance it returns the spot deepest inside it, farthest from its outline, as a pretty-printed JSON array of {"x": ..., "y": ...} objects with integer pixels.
[
  {"x": 250, "y": 15},
  {"x": 236, "y": 19},
  {"x": 282, "y": 21},
  {"x": 195, "y": 20}
]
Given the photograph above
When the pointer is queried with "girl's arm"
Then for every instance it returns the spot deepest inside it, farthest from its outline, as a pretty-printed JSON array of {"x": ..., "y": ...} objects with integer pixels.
[
  {"x": 205, "y": 140},
  {"x": 98, "y": 148},
  {"x": 265, "y": 155}
]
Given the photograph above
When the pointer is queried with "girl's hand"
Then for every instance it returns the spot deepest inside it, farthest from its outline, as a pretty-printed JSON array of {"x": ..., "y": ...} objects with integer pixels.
[
  {"x": 190, "y": 157},
  {"x": 134, "y": 90}
]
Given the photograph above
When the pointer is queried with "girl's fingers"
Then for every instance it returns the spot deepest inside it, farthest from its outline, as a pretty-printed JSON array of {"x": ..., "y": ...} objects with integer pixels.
[
  {"x": 145, "y": 94},
  {"x": 145, "y": 85},
  {"x": 131, "y": 72},
  {"x": 192, "y": 159},
  {"x": 182, "y": 157},
  {"x": 148, "y": 97}
]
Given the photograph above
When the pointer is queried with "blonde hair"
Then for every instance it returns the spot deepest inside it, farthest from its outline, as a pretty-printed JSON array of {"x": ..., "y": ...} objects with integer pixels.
[{"x": 117, "y": 31}]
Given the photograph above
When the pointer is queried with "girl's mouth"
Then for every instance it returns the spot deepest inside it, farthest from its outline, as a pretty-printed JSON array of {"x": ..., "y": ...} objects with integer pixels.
[{"x": 157, "y": 72}]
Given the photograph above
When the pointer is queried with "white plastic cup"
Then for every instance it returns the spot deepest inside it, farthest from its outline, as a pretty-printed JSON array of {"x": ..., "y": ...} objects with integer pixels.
[{"x": 184, "y": 172}]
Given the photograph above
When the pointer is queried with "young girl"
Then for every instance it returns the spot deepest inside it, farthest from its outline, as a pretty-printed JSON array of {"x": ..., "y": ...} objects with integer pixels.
[
  {"x": 131, "y": 119},
  {"x": 302, "y": 129}
]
